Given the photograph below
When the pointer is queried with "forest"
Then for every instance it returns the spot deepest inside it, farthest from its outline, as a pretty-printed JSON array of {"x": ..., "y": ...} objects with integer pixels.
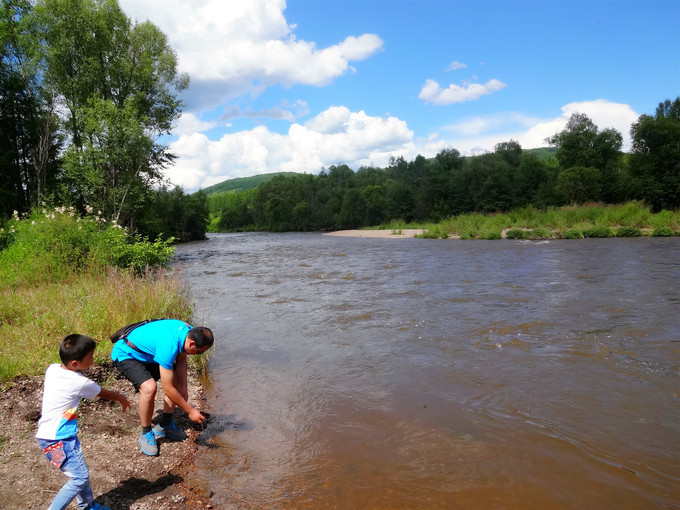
[
  {"x": 584, "y": 165},
  {"x": 87, "y": 97}
]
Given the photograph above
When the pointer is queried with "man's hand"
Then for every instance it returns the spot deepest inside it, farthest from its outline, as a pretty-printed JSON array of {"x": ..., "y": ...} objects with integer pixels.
[{"x": 196, "y": 416}]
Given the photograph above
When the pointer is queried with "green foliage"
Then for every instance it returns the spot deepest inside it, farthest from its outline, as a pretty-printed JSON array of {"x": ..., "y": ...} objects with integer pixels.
[
  {"x": 57, "y": 244},
  {"x": 655, "y": 158},
  {"x": 663, "y": 232},
  {"x": 242, "y": 183},
  {"x": 628, "y": 232},
  {"x": 573, "y": 234},
  {"x": 517, "y": 233},
  {"x": 598, "y": 232}
]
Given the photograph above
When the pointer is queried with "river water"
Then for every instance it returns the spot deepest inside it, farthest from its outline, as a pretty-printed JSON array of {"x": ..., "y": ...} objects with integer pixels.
[{"x": 360, "y": 373}]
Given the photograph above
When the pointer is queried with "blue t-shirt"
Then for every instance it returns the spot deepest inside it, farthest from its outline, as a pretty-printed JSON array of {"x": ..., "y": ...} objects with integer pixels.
[{"x": 160, "y": 340}]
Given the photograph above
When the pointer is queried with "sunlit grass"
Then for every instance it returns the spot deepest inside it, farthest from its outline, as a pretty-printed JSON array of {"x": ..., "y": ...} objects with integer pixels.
[
  {"x": 34, "y": 319},
  {"x": 565, "y": 222}
]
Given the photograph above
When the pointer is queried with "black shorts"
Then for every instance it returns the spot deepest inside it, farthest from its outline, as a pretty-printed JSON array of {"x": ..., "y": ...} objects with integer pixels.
[{"x": 138, "y": 372}]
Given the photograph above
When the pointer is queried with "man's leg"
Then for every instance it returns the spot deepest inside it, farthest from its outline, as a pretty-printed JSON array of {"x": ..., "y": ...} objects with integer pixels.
[{"x": 147, "y": 400}]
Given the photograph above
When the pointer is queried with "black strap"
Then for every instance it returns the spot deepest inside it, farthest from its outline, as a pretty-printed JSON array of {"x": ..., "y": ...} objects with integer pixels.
[{"x": 123, "y": 333}]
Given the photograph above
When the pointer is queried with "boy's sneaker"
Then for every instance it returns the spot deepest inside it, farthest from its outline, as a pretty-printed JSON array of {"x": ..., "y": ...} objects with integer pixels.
[
  {"x": 170, "y": 432},
  {"x": 148, "y": 443}
]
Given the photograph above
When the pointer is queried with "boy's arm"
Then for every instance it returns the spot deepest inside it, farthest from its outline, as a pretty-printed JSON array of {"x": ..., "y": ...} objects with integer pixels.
[{"x": 114, "y": 395}]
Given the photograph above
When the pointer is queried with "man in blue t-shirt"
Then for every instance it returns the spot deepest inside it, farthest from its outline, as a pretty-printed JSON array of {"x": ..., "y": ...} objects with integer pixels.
[{"x": 156, "y": 350}]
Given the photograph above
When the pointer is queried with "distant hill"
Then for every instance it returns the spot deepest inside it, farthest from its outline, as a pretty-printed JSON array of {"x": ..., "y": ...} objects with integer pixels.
[
  {"x": 243, "y": 183},
  {"x": 246, "y": 183},
  {"x": 543, "y": 152}
]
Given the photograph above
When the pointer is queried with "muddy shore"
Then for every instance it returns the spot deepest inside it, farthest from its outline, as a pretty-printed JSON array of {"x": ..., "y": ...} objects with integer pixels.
[{"x": 121, "y": 477}]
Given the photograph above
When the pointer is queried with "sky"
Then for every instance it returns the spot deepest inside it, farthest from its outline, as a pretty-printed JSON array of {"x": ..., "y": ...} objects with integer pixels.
[{"x": 301, "y": 85}]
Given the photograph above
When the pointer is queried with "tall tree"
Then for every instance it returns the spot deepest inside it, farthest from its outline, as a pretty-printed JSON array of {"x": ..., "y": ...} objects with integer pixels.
[
  {"x": 655, "y": 158},
  {"x": 581, "y": 144},
  {"x": 119, "y": 84}
]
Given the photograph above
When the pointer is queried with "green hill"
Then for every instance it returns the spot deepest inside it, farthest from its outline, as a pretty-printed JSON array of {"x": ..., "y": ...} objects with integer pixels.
[{"x": 242, "y": 183}]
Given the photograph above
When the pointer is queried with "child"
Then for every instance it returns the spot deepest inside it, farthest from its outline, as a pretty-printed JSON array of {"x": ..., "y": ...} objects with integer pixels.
[{"x": 57, "y": 431}]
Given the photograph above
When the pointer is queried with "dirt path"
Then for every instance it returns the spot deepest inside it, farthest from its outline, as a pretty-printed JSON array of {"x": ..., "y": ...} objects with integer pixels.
[{"x": 121, "y": 477}]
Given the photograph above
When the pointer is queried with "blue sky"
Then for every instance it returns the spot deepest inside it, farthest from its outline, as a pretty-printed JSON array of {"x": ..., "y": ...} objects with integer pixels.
[{"x": 305, "y": 84}]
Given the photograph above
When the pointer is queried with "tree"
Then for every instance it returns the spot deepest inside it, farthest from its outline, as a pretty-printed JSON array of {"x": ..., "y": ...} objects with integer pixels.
[
  {"x": 581, "y": 144},
  {"x": 29, "y": 143},
  {"x": 655, "y": 158},
  {"x": 119, "y": 84},
  {"x": 580, "y": 184}
]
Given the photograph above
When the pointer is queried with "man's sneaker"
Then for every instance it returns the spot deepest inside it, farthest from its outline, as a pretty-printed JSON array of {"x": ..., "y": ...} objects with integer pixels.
[
  {"x": 97, "y": 506},
  {"x": 170, "y": 432},
  {"x": 148, "y": 443}
]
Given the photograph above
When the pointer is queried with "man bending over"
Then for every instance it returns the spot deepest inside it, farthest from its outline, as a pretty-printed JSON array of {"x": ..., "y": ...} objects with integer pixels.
[{"x": 156, "y": 350}]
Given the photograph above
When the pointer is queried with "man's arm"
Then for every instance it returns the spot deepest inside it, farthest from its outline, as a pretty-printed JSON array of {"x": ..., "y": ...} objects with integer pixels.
[
  {"x": 173, "y": 393},
  {"x": 180, "y": 375}
]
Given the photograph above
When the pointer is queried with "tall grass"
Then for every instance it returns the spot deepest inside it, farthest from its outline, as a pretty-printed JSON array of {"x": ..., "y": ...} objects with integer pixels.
[
  {"x": 569, "y": 222},
  {"x": 59, "y": 275}
]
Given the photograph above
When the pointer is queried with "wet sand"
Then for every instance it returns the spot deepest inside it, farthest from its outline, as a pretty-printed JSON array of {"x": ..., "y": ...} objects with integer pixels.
[{"x": 388, "y": 233}]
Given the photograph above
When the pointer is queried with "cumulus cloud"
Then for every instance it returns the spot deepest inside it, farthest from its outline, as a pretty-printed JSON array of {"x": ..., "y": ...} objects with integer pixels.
[
  {"x": 605, "y": 114},
  {"x": 340, "y": 136},
  {"x": 231, "y": 47},
  {"x": 335, "y": 136},
  {"x": 433, "y": 93}
]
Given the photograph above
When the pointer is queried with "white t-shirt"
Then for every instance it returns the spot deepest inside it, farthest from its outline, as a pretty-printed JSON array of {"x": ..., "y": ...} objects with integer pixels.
[{"x": 61, "y": 396}]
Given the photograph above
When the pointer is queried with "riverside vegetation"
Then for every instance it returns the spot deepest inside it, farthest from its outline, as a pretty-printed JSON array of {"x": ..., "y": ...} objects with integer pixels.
[
  {"x": 61, "y": 273},
  {"x": 633, "y": 219}
]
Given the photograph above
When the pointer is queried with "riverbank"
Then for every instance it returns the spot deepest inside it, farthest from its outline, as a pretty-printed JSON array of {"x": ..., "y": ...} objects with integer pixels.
[{"x": 121, "y": 477}]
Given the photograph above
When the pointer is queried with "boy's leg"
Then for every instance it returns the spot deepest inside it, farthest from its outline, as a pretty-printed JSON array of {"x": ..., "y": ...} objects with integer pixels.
[{"x": 78, "y": 485}]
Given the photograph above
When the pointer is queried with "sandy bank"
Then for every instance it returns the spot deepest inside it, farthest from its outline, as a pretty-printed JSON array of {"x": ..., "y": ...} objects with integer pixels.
[{"x": 391, "y": 234}]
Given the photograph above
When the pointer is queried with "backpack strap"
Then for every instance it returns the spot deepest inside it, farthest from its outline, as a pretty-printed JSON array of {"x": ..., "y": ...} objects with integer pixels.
[{"x": 123, "y": 333}]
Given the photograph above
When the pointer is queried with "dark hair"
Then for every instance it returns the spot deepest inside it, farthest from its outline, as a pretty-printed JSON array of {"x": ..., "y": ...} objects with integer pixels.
[
  {"x": 202, "y": 336},
  {"x": 75, "y": 347}
]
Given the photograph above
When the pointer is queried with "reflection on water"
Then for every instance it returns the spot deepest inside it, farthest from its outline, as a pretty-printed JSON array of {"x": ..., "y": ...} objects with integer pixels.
[{"x": 371, "y": 373}]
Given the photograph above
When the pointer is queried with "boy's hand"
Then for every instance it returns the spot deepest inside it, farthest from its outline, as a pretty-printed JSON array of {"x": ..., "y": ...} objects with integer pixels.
[{"x": 124, "y": 403}]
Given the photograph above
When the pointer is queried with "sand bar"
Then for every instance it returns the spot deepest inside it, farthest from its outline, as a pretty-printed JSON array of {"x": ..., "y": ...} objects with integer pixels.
[{"x": 391, "y": 234}]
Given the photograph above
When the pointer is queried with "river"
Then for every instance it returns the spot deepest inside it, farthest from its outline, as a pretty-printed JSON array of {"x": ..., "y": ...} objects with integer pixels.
[{"x": 360, "y": 373}]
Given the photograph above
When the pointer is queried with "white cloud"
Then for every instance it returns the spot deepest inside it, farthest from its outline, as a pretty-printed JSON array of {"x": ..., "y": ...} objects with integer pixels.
[
  {"x": 232, "y": 48},
  {"x": 340, "y": 136},
  {"x": 335, "y": 136},
  {"x": 455, "y": 65},
  {"x": 433, "y": 93},
  {"x": 189, "y": 123}
]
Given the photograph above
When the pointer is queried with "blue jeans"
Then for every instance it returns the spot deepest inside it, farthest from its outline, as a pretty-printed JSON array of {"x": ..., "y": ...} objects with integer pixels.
[{"x": 75, "y": 468}]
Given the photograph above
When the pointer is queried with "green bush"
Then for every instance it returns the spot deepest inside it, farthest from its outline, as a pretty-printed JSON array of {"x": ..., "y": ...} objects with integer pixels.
[
  {"x": 53, "y": 245},
  {"x": 491, "y": 235},
  {"x": 573, "y": 234},
  {"x": 628, "y": 232},
  {"x": 517, "y": 233},
  {"x": 540, "y": 233},
  {"x": 598, "y": 232},
  {"x": 663, "y": 232}
]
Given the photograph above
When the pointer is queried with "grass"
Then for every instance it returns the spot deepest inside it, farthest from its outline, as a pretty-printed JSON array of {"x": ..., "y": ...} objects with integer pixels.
[
  {"x": 60, "y": 274},
  {"x": 574, "y": 222},
  {"x": 34, "y": 319}
]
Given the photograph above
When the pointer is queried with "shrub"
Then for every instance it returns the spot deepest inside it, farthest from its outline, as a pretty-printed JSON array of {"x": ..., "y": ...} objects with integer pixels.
[
  {"x": 57, "y": 244},
  {"x": 540, "y": 233},
  {"x": 598, "y": 232},
  {"x": 573, "y": 234},
  {"x": 517, "y": 233},
  {"x": 491, "y": 235},
  {"x": 628, "y": 232},
  {"x": 663, "y": 232}
]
